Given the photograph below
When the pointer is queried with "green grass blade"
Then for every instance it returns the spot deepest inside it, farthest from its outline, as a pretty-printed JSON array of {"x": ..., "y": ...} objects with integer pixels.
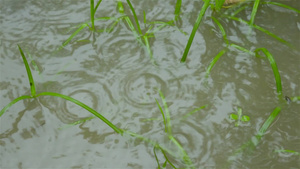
[
  {"x": 213, "y": 62},
  {"x": 197, "y": 24},
  {"x": 168, "y": 117},
  {"x": 236, "y": 11},
  {"x": 274, "y": 68},
  {"x": 12, "y": 103},
  {"x": 166, "y": 157},
  {"x": 31, "y": 81},
  {"x": 193, "y": 111},
  {"x": 148, "y": 46},
  {"x": 254, "y": 11},
  {"x": 73, "y": 35},
  {"x": 219, "y": 4},
  {"x": 157, "y": 161},
  {"x": 266, "y": 125},
  {"x": 288, "y": 151},
  {"x": 92, "y": 9},
  {"x": 185, "y": 157},
  {"x": 163, "y": 115},
  {"x": 250, "y": 145},
  {"x": 177, "y": 9},
  {"x": 120, "y": 7},
  {"x": 261, "y": 29},
  {"x": 282, "y": 5},
  {"x": 129, "y": 23},
  {"x": 221, "y": 29},
  {"x": 135, "y": 17},
  {"x": 242, "y": 49},
  {"x": 119, "y": 131},
  {"x": 76, "y": 122},
  {"x": 145, "y": 19},
  {"x": 97, "y": 5}
]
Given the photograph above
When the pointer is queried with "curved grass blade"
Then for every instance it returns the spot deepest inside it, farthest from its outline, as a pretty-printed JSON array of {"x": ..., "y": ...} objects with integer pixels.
[
  {"x": 221, "y": 29},
  {"x": 12, "y": 103},
  {"x": 274, "y": 68},
  {"x": 31, "y": 81},
  {"x": 76, "y": 122},
  {"x": 254, "y": 11},
  {"x": 73, "y": 35},
  {"x": 197, "y": 24},
  {"x": 119, "y": 131},
  {"x": 167, "y": 160},
  {"x": 282, "y": 5},
  {"x": 261, "y": 29},
  {"x": 213, "y": 62}
]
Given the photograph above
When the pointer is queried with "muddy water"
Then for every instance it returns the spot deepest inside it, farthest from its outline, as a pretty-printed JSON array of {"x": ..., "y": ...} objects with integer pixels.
[{"x": 113, "y": 74}]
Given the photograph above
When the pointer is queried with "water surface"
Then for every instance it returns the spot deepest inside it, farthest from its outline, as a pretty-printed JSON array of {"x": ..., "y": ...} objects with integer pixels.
[{"x": 115, "y": 75}]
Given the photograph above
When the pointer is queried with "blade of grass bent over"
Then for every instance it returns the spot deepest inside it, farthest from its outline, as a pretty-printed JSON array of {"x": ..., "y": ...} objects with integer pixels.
[
  {"x": 221, "y": 29},
  {"x": 12, "y": 103},
  {"x": 31, "y": 81},
  {"x": 274, "y": 68},
  {"x": 119, "y": 131},
  {"x": 197, "y": 24}
]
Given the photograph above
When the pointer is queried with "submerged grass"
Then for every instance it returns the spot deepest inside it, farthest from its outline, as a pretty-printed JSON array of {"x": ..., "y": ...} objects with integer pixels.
[
  {"x": 251, "y": 144},
  {"x": 166, "y": 116},
  {"x": 143, "y": 38},
  {"x": 34, "y": 95}
]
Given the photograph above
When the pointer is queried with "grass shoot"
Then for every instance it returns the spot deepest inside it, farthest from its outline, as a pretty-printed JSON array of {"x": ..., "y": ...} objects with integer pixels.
[{"x": 195, "y": 28}]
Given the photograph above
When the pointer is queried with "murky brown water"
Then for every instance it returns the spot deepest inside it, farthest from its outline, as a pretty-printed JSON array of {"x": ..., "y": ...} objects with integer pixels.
[{"x": 113, "y": 74}]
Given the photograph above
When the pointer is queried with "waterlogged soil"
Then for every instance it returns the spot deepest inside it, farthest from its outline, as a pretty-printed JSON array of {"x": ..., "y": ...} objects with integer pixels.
[{"x": 115, "y": 75}]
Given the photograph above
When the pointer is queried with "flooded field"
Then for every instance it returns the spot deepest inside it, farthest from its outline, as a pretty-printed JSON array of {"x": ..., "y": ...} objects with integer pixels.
[{"x": 233, "y": 103}]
